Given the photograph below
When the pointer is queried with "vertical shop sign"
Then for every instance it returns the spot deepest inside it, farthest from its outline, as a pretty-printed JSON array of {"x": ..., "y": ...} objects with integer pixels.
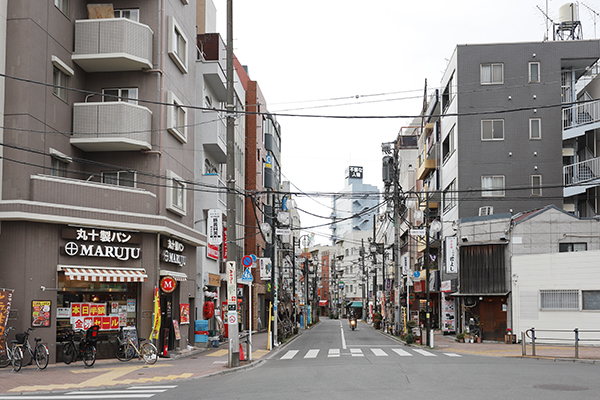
[
  {"x": 214, "y": 227},
  {"x": 448, "y": 314},
  {"x": 6, "y": 296},
  {"x": 40, "y": 313},
  {"x": 451, "y": 243},
  {"x": 184, "y": 313}
]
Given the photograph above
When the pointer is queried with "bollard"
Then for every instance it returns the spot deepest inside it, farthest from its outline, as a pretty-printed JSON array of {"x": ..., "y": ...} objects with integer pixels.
[
  {"x": 576, "y": 342},
  {"x": 523, "y": 344},
  {"x": 533, "y": 341}
]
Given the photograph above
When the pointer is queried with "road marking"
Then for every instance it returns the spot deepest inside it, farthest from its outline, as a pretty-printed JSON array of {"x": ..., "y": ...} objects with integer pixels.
[
  {"x": 218, "y": 353},
  {"x": 256, "y": 354},
  {"x": 343, "y": 337},
  {"x": 220, "y": 362},
  {"x": 151, "y": 387},
  {"x": 144, "y": 391},
  {"x": 81, "y": 396},
  {"x": 312, "y": 353},
  {"x": 402, "y": 353},
  {"x": 379, "y": 352},
  {"x": 452, "y": 355},
  {"x": 289, "y": 355},
  {"x": 425, "y": 353},
  {"x": 356, "y": 353},
  {"x": 334, "y": 353}
]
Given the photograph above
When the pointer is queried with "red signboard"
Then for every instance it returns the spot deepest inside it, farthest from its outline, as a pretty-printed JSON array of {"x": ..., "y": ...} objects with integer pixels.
[{"x": 168, "y": 284}]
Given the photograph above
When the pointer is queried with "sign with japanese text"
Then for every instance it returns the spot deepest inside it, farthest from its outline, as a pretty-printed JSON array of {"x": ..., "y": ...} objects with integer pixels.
[
  {"x": 6, "y": 296},
  {"x": 40, "y": 313},
  {"x": 85, "y": 315},
  {"x": 91, "y": 242},
  {"x": 173, "y": 252},
  {"x": 214, "y": 227},
  {"x": 404, "y": 261},
  {"x": 231, "y": 283},
  {"x": 451, "y": 262}
]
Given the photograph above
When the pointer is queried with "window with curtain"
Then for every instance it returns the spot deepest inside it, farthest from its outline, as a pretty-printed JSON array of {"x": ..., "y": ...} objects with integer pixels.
[
  {"x": 492, "y": 74},
  {"x": 492, "y": 185}
]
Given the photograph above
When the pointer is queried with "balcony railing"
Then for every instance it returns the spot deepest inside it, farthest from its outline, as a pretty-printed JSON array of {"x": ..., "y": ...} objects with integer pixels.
[
  {"x": 111, "y": 126},
  {"x": 112, "y": 44},
  {"x": 214, "y": 137},
  {"x": 581, "y": 172},
  {"x": 581, "y": 114}
]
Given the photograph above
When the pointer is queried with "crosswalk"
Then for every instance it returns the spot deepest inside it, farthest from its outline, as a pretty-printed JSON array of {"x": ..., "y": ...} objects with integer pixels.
[
  {"x": 357, "y": 352},
  {"x": 133, "y": 392}
]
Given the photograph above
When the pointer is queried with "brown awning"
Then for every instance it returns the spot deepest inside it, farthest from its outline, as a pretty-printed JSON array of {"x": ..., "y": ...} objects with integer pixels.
[{"x": 104, "y": 274}]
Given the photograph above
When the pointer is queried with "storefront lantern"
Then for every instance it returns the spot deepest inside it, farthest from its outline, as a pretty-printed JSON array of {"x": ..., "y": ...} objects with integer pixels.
[{"x": 208, "y": 310}]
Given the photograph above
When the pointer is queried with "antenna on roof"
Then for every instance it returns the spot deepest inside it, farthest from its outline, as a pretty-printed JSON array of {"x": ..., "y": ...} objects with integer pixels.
[{"x": 594, "y": 15}]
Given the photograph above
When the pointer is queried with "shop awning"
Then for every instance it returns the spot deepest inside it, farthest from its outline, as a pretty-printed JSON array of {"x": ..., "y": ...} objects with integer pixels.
[
  {"x": 178, "y": 276},
  {"x": 104, "y": 274},
  {"x": 458, "y": 294},
  {"x": 356, "y": 304},
  {"x": 322, "y": 303}
]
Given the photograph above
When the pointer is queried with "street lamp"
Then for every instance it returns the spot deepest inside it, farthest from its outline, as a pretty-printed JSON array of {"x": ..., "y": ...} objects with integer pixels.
[{"x": 413, "y": 202}]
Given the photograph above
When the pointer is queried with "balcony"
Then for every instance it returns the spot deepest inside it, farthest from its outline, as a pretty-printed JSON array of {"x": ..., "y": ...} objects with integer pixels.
[
  {"x": 214, "y": 137},
  {"x": 426, "y": 166},
  {"x": 580, "y": 176},
  {"x": 580, "y": 118},
  {"x": 111, "y": 126},
  {"x": 215, "y": 77},
  {"x": 112, "y": 44}
]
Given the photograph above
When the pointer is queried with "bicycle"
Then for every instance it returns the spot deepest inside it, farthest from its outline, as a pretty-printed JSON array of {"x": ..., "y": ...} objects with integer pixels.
[
  {"x": 87, "y": 346},
  {"x": 14, "y": 354},
  {"x": 127, "y": 350},
  {"x": 39, "y": 353}
]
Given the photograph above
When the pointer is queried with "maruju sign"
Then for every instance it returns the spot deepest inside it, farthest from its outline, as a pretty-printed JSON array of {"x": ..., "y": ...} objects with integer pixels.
[{"x": 103, "y": 243}]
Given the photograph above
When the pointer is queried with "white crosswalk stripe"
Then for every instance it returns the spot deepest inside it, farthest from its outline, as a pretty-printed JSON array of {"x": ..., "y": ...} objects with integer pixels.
[
  {"x": 452, "y": 355},
  {"x": 289, "y": 355},
  {"x": 312, "y": 353},
  {"x": 379, "y": 352},
  {"x": 402, "y": 353},
  {"x": 424, "y": 353},
  {"x": 356, "y": 353},
  {"x": 333, "y": 353},
  {"x": 133, "y": 392}
]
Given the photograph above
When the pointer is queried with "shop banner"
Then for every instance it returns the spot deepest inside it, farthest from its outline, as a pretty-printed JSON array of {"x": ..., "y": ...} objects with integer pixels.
[
  {"x": 448, "y": 314},
  {"x": 156, "y": 318},
  {"x": 451, "y": 262},
  {"x": 6, "y": 296},
  {"x": 85, "y": 315},
  {"x": 41, "y": 313},
  {"x": 184, "y": 314}
]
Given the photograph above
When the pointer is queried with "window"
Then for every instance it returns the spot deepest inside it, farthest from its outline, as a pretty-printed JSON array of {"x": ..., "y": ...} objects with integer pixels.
[
  {"x": 559, "y": 300},
  {"x": 62, "y": 5},
  {"x": 448, "y": 145},
  {"x": 119, "y": 178},
  {"x": 176, "y": 118},
  {"x": 571, "y": 247},
  {"x": 176, "y": 199},
  {"x": 177, "y": 46},
  {"x": 492, "y": 186},
  {"x": 534, "y": 72},
  {"x": 535, "y": 128},
  {"x": 450, "y": 196},
  {"x": 536, "y": 185},
  {"x": 210, "y": 168},
  {"x": 59, "y": 163},
  {"x": 129, "y": 13},
  {"x": 447, "y": 95},
  {"x": 60, "y": 74},
  {"x": 591, "y": 299},
  {"x": 492, "y": 129},
  {"x": 492, "y": 74},
  {"x": 129, "y": 95}
]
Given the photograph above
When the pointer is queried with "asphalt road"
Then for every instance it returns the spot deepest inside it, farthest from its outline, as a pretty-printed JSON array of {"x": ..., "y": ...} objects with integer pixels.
[{"x": 331, "y": 361}]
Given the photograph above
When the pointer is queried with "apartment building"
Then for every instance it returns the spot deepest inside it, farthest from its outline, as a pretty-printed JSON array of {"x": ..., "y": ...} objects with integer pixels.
[{"x": 97, "y": 170}]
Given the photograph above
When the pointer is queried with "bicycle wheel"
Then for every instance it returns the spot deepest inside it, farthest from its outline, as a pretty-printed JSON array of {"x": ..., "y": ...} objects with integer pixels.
[
  {"x": 17, "y": 358},
  {"x": 69, "y": 352},
  {"x": 41, "y": 356},
  {"x": 89, "y": 354},
  {"x": 149, "y": 353},
  {"x": 5, "y": 361},
  {"x": 125, "y": 352}
]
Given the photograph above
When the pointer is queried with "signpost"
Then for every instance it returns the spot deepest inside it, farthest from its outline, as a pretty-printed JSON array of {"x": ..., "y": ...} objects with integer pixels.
[
  {"x": 232, "y": 318},
  {"x": 247, "y": 279}
]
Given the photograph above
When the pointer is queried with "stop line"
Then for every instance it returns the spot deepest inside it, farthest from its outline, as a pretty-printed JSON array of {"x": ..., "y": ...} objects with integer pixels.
[{"x": 357, "y": 352}]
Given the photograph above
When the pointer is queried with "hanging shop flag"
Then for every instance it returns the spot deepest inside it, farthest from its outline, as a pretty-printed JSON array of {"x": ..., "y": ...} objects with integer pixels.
[
  {"x": 6, "y": 296},
  {"x": 451, "y": 261},
  {"x": 156, "y": 318}
]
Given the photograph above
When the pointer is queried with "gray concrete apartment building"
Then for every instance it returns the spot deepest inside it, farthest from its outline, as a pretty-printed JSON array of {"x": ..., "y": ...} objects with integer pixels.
[{"x": 97, "y": 165}]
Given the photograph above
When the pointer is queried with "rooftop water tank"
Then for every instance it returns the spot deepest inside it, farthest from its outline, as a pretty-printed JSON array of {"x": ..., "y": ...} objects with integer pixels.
[{"x": 568, "y": 13}]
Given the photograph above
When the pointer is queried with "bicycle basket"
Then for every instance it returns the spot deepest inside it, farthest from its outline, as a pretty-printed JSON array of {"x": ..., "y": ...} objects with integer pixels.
[
  {"x": 92, "y": 333},
  {"x": 21, "y": 338}
]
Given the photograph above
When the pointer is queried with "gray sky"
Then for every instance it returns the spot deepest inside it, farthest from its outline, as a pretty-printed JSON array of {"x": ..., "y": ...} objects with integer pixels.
[{"x": 316, "y": 56}]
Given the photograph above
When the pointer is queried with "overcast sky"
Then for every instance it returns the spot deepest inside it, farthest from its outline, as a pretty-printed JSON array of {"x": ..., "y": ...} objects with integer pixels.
[{"x": 359, "y": 58}]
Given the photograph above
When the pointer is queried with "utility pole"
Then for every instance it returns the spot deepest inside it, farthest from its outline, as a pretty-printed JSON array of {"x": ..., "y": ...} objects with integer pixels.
[
  {"x": 232, "y": 312},
  {"x": 364, "y": 278},
  {"x": 294, "y": 280}
]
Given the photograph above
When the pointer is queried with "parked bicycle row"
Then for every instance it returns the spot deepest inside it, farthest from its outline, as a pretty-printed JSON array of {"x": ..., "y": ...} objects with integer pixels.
[{"x": 77, "y": 345}]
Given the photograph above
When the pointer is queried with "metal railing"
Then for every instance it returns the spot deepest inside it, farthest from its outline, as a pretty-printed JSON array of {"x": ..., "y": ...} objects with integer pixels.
[
  {"x": 582, "y": 171},
  {"x": 575, "y": 339},
  {"x": 581, "y": 114}
]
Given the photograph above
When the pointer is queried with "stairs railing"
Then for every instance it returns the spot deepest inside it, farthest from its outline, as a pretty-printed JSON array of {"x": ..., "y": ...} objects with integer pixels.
[{"x": 583, "y": 171}]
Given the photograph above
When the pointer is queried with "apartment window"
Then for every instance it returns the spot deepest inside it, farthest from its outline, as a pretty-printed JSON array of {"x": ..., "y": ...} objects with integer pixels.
[
  {"x": 62, "y": 5},
  {"x": 129, "y": 13},
  {"x": 60, "y": 75},
  {"x": 572, "y": 247},
  {"x": 492, "y": 129},
  {"x": 492, "y": 74},
  {"x": 535, "y": 128},
  {"x": 119, "y": 178},
  {"x": 536, "y": 185},
  {"x": 59, "y": 163},
  {"x": 450, "y": 196},
  {"x": 447, "y": 95},
  {"x": 448, "y": 145},
  {"x": 591, "y": 299},
  {"x": 176, "y": 199},
  {"x": 129, "y": 95},
  {"x": 177, "y": 46},
  {"x": 534, "y": 72},
  {"x": 492, "y": 186},
  {"x": 559, "y": 300},
  {"x": 176, "y": 118}
]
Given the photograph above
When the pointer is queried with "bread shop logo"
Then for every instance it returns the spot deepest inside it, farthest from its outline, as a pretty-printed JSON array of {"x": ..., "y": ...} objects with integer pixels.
[
  {"x": 90, "y": 242},
  {"x": 172, "y": 253}
]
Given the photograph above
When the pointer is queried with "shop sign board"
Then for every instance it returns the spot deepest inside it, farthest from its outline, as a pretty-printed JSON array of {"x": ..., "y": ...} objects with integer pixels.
[
  {"x": 41, "y": 313},
  {"x": 130, "y": 305},
  {"x": 168, "y": 284},
  {"x": 214, "y": 227},
  {"x": 451, "y": 244},
  {"x": 91, "y": 242},
  {"x": 172, "y": 253},
  {"x": 85, "y": 315},
  {"x": 212, "y": 252},
  {"x": 231, "y": 283},
  {"x": 214, "y": 279}
]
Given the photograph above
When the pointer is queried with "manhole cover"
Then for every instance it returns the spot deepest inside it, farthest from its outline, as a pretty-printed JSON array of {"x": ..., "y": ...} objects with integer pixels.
[{"x": 556, "y": 386}]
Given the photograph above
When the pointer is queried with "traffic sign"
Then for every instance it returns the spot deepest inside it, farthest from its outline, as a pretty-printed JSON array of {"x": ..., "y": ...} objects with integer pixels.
[
  {"x": 418, "y": 232},
  {"x": 247, "y": 276},
  {"x": 417, "y": 274},
  {"x": 247, "y": 261}
]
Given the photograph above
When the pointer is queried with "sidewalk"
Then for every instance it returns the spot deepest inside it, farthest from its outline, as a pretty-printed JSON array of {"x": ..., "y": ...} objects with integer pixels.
[{"x": 185, "y": 364}]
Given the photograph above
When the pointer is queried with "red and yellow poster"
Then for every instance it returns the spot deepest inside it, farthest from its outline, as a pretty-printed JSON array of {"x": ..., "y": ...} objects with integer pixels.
[
  {"x": 184, "y": 315},
  {"x": 41, "y": 313},
  {"x": 6, "y": 296}
]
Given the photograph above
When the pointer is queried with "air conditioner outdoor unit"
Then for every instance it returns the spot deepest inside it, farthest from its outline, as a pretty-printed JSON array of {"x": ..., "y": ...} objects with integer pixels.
[{"x": 486, "y": 210}]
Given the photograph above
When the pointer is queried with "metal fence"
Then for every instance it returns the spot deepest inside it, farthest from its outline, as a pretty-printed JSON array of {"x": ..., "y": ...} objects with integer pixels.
[{"x": 572, "y": 337}]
